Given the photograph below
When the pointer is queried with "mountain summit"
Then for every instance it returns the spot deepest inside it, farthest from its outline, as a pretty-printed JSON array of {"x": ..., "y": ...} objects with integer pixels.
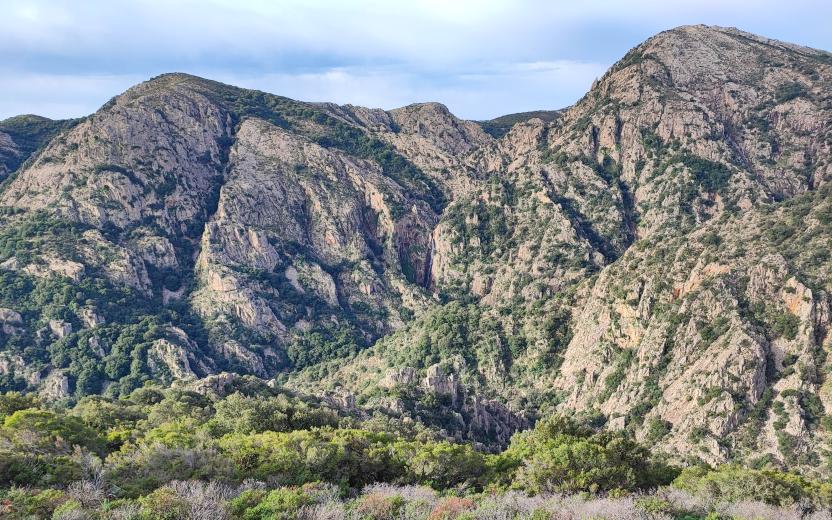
[{"x": 654, "y": 258}]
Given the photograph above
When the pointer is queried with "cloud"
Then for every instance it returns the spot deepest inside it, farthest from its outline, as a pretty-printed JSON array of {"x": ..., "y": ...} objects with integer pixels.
[
  {"x": 474, "y": 93},
  {"x": 58, "y": 95},
  {"x": 510, "y": 54}
]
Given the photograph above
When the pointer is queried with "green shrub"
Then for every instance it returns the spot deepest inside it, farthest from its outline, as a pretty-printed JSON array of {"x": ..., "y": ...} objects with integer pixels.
[
  {"x": 324, "y": 343},
  {"x": 714, "y": 330},
  {"x": 788, "y": 91},
  {"x": 709, "y": 175},
  {"x": 13, "y": 401},
  {"x": 347, "y": 457},
  {"x": 279, "y": 504},
  {"x": 734, "y": 484},
  {"x": 46, "y": 430},
  {"x": 163, "y": 504},
  {"x": 25, "y": 504},
  {"x": 241, "y": 414},
  {"x": 786, "y": 325},
  {"x": 563, "y": 457},
  {"x": 657, "y": 429}
]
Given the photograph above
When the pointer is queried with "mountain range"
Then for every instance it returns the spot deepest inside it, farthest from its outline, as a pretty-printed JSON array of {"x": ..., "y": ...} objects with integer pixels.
[{"x": 654, "y": 258}]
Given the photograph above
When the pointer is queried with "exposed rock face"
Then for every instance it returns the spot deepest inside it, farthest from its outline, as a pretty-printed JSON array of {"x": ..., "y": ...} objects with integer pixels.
[
  {"x": 90, "y": 318},
  {"x": 11, "y": 322},
  {"x": 59, "y": 328},
  {"x": 428, "y": 135},
  {"x": 647, "y": 180},
  {"x": 473, "y": 417},
  {"x": 55, "y": 386},
  {"x": 701, "y": 345},
  {"x": 285, "y": 193},
  {"x": 152, "y": 156},
  {"x": 693, "y": 122},
  {"x": 655, "y": 256},
  {"x": 165, "y": 356}
]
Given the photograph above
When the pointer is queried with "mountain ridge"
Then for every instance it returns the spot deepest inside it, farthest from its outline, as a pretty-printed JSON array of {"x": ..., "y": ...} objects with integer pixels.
[{"x": 410, "y": 263}]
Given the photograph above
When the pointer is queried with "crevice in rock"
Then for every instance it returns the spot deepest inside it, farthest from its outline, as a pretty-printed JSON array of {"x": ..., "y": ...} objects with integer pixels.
[{"x": 427, "y": 271}]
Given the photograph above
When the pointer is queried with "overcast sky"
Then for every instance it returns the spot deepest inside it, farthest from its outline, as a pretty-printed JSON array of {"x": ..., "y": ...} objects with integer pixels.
[{"x": 482, "y": 58}]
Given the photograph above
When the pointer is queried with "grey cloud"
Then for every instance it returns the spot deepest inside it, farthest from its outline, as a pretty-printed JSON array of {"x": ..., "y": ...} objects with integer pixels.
[{"x": 473, "y": 55}]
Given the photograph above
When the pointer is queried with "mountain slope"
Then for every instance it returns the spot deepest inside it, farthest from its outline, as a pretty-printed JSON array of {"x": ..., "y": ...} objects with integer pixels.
[
  {"x": 662, "y": 169},
  {"x": 153, "y": 195},
  {"x": 652, "y": 258},
  {"x": 499, "y": 126},
  {"x": 22, "y": 136}
]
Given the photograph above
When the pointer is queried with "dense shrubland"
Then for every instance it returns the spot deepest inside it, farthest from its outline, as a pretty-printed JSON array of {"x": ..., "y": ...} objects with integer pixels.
[{"x": 266, "y": 453}]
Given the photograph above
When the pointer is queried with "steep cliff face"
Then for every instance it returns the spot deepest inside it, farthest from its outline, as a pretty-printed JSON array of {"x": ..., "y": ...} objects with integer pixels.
[
  {"x": 654, "y": 257},
  {"x": 694, "y": 122},
  {"x": 428, "y": 135},
  {"x": 709, "y": 127},
  {"x": 150, "y": 158},
  {"x": 305, "y": 235}
]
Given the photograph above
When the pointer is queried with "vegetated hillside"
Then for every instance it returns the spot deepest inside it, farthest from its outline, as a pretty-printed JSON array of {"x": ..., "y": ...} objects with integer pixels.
[
  {"x": 499, "y": 126},
  {"x": 653, "y": 258},
  {"x": 21, "y": 136}
]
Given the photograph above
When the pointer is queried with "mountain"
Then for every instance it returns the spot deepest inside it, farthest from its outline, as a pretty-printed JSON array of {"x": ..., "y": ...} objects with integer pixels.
[
  {"x": 499, "y": 126},
  {"x": 654, "y": 258},
  {"x": 612, "y": 286},
  {"x": 22, "y": 136}
]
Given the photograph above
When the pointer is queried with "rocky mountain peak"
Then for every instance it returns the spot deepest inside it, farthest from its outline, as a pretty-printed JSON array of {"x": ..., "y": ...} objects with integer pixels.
[
  {"x": 699, "y": 55},
  {"x": 168, "y": 82}
]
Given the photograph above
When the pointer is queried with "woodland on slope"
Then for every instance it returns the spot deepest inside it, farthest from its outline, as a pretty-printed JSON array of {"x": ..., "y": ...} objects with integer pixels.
[{"x": 654, "y": 260}]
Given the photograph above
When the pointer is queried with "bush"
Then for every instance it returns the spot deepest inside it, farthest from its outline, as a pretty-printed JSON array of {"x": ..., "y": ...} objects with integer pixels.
[
  {"x": 12, "y": 402},
  {"x": 788, "y": 91},
  {"x": 451, "y": 508},
  {"x": 240, "y": 414},
  {"x": 324, "y": 343},
  {"x": 145, "y": 468},
  {"x": 29, "y": 503},
  {"x": 346, "y": 457},
  {"x": 560, "y": 456},
  {"x": 786, "y": 325},
  {"x": 376, "y": 506},
  {"x": 280, "y": 504},
  {"x": 163, "y": 503},
  {"x": 735, "y": 484},
  {"x": 32, "y": 429},
  {"x": 709, "y": 175},
  {"x": 442, "y": 465}
]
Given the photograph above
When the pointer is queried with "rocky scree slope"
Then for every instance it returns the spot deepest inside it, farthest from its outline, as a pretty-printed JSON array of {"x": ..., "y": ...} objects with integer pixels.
[{"x": 654, "y": 257}]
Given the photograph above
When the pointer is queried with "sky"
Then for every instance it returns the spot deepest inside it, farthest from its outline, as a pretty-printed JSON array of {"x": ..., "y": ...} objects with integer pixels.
[{"x": 481, "y": 58}]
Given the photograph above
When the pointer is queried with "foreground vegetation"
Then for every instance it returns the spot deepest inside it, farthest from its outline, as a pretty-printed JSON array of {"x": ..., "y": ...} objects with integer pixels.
[
  {"x": 254, "y": 500},
  {"x": 261, "y": 453}
]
